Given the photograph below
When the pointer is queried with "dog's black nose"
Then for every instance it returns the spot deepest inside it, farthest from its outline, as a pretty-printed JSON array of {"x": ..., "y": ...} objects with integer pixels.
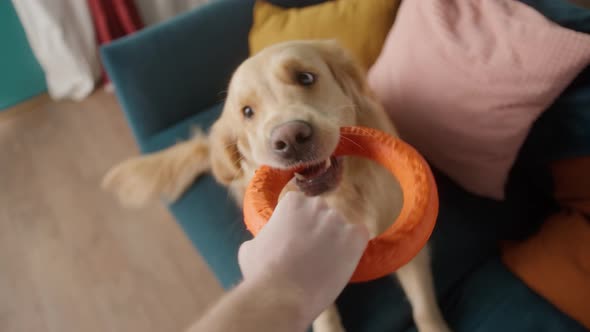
[{"x": 291, "y": 140}]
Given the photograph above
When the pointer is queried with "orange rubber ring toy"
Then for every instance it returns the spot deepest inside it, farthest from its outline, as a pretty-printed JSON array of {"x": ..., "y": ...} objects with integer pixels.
[{"x": 410, "y": 231}]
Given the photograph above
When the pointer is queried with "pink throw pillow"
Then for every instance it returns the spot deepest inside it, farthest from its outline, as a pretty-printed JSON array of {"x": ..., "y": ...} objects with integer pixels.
[{"x": 464, "y": 81}]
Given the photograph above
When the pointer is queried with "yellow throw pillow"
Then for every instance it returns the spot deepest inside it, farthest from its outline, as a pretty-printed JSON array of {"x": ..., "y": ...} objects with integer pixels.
[{"x": 359, "y": 25}]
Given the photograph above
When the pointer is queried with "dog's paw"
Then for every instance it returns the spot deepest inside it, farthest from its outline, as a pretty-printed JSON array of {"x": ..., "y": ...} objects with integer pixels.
[
  {"x": 328, "y": 321},
  {"x": 328, "y": 327},
  {"x": 134, "y": 182},
  {"x": 162, "y": 175},
  {"x": 432, "y": 325}
]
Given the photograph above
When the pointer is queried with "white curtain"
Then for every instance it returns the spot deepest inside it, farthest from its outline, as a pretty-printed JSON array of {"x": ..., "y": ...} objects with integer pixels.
[{"x": 61, "y": 35}]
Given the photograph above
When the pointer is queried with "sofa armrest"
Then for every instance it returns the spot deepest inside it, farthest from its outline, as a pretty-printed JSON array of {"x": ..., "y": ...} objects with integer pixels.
[{"x": 168, "y": 72}]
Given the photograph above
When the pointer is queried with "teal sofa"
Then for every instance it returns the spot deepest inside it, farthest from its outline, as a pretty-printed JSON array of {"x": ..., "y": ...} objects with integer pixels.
[{"x": 171, "y": 77}]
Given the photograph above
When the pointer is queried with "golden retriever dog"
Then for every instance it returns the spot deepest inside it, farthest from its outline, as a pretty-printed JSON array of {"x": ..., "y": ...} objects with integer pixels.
[{"x": 284, "y": 108}]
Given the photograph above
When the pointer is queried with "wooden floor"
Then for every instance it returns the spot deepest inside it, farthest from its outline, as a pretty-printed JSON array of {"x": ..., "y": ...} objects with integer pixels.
[{"x": 72, "y": 260}]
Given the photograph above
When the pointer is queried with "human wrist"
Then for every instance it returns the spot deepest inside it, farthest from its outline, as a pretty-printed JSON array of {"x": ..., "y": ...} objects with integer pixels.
[{"x": 284, "y": 297}]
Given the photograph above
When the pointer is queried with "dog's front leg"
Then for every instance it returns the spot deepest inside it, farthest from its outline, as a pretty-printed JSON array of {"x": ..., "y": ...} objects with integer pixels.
[
  {"x": 328, "y": 321},
  {"x": 416, "y": 281}
]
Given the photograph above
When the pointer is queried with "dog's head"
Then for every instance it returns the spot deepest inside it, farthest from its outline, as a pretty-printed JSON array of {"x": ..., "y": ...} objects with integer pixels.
[{"x": 285, "y": 107}]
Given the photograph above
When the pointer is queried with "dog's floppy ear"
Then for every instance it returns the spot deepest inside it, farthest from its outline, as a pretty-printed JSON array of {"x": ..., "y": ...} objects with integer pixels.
[
  {"x": 223, "y": 152},
  {"x": 346, "y": 71},
  {"x": 352, "y": 80}
]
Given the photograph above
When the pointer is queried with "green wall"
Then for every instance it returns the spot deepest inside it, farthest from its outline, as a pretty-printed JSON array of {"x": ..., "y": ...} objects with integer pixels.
[{"x": 21, "y": 76}]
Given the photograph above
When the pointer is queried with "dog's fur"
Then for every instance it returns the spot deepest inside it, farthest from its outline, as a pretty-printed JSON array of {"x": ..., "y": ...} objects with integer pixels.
[{"x": 237, "y": 146}]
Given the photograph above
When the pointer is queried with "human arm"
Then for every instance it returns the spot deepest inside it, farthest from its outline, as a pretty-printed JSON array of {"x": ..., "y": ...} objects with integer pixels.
[{"x": 296, "y": 266}]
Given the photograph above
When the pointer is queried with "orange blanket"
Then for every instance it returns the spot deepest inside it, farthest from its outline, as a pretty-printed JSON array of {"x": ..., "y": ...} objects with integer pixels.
[{"x": 555, "y": 262}]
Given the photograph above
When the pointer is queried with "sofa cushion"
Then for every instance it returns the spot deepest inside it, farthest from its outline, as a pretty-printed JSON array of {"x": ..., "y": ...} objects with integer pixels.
[
  {"x": 563, "y": 131},
  {"x": 359, "y": 25},
  {"x": 467, "y": 97}
]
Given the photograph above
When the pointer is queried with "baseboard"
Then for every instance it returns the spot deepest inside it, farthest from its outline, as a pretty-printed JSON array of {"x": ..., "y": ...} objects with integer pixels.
[{"x": 24, "y": 107}]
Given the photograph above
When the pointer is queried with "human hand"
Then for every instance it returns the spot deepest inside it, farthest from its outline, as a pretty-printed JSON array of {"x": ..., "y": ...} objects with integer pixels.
[{"x": 306, "y": 247}]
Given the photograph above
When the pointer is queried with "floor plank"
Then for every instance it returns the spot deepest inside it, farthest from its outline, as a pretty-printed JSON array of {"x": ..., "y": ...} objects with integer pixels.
[{"x": 70, "y": 258}]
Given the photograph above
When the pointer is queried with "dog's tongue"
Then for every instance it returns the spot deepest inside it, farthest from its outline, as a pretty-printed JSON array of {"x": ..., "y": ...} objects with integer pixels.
[
  {"x": 316, "y": 180},
  {"x": 314, "y": 170}
]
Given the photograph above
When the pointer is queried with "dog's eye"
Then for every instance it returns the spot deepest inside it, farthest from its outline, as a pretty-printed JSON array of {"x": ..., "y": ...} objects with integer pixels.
[
  {"x": 305, "y": 78},
  {"x": 248, "y": 112}
]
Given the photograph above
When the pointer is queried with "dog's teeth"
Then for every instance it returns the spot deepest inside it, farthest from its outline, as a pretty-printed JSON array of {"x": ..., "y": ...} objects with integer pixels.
[
  {"x": 299, "y": 176},
  {"x": 328, "y": 163}
]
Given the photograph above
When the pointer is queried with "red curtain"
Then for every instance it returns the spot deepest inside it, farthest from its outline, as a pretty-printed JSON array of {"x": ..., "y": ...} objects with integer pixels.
[{"x": 114, "y": 19}]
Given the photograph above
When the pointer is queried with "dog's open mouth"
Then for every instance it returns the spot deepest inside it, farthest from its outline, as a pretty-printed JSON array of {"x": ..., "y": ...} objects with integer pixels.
[{"x": 320, "y": 177}]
